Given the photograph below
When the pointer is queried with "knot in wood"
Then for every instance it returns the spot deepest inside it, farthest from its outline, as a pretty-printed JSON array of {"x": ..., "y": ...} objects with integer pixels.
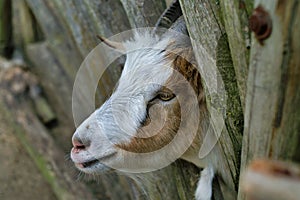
[{"x": 260, "y": 23}]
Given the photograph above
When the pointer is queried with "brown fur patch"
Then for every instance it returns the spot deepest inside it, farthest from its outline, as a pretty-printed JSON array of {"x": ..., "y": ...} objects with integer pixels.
[{"x": 185, "y": 64}]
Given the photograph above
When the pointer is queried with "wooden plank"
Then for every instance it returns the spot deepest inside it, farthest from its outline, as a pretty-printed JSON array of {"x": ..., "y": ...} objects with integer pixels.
[
  {"x": 70, "y": 29},
  {"x": 237, "y": 29},
  {"x": 23, "y": 24},
  {"x": 84, "y": 20},
  {"x": 143, "y": 13},
  {"x": 272, "y": 123},
  {"x": 57, "y": 35},
  {"x": 58, "y": 90},
  {"x": 204, "y": 22}
]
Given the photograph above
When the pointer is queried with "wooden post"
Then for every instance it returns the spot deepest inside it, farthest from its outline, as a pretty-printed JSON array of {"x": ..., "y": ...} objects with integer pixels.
[
  {"x": 235, "y": 15},
  {"x": 204, "y": 22},
  {"x": 272, "y": 123}
]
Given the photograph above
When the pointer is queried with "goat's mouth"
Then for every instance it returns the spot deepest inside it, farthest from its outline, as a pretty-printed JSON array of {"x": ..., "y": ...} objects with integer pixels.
[
  {"x": 87, "y": 164},
  {"x": 93, "y": 162}
]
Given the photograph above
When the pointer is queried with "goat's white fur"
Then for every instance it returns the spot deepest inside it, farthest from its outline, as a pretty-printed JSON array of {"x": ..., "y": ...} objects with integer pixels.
[
  {"x": 144, "y": 71},
  {"x": 204, "y": 187}
]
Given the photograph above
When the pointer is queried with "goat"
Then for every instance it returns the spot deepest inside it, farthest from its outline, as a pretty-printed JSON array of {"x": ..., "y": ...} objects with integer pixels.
[{"x": 146, "y": 111}]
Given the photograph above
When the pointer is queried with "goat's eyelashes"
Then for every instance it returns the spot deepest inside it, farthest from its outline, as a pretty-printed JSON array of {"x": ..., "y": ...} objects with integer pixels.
[{"x": 165, "y": 96}]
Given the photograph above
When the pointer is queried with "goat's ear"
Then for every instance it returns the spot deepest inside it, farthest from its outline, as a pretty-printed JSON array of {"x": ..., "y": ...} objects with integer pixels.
[{"x": 115, "y": 45}]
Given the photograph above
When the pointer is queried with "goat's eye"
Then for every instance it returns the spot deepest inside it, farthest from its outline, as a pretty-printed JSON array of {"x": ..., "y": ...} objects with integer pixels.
[{"x": 165, "y": 96}]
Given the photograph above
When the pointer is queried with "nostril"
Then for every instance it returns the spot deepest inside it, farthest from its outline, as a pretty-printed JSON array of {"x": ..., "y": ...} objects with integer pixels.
[{"x": 78, "y": 145}]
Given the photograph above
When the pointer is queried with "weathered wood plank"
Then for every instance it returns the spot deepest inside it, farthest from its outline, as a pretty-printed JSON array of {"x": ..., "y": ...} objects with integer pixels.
[
  {"x": 143, "y": 13},
  {"x": 70, "y": 29},
  {"x": 272, "y": 123},
  {"x": 57, "y": 35},
  {"x": 237, "y": 29},
  {"x": 23, "y": 24},
  {"x": 204, "y": 21},
  {"x": 56, "y": 83}
]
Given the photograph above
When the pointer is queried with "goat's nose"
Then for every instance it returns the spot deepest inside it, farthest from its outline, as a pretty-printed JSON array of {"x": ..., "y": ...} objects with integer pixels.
[{"x": 79, "y": 145}]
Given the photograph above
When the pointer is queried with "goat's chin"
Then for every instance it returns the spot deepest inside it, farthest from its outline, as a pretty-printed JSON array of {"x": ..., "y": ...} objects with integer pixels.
[{"x": 93, "y": 165}]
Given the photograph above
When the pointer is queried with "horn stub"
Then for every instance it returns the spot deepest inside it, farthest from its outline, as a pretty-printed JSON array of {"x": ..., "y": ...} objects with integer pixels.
[{"x": 170, "y": 15}]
